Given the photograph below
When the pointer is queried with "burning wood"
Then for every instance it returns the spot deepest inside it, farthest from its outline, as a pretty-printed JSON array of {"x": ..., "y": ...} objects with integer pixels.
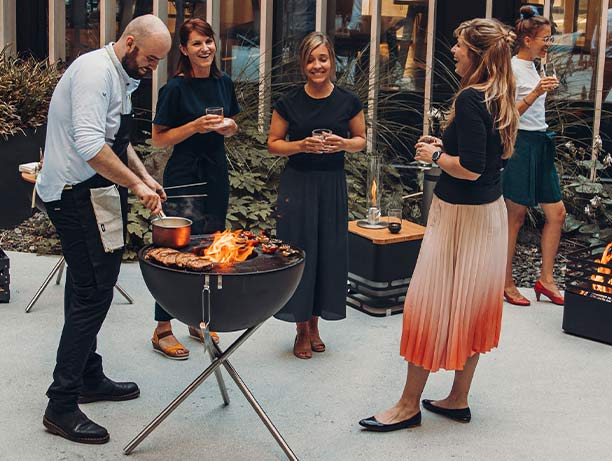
[
  {"x": 606, "y": 258},
  {"x": 229, "y": 247}
]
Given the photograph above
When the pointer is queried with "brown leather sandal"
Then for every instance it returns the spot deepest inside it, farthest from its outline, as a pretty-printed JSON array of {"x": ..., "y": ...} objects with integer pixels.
[
  {"x": 176, "y": 352},
  {"x": 301, "y": 354},
  {"x": 196, "y": 334},
  {"x": 317, "y": 346}
]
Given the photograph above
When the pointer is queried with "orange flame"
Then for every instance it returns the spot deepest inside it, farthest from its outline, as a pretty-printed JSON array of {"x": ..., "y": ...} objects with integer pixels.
[
  {"x": 227, "y": 248},
  {"x": 606, "y": 258},
  {"x": 373, "y": 192}
]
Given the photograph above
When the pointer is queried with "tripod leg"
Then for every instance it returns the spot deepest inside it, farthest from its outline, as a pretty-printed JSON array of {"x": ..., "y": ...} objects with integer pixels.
[
  {"x": 192, "y": 387},
  {"x": 59, "y": 265},
  {"x": 260, "y": 411},
  {"x": 125, "y": 294},
  {"x": 210, "y": 348},
  {"x": 59, "y": 274}
]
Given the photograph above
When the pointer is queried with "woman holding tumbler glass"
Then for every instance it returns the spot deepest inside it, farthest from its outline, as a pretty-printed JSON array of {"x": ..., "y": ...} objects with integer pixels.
[
  {"x": 530, "y": 178},
  {"x": 189, "y": 116},
  {"x": 453, "y": 306},
  {"x": 312, "y": 198}
]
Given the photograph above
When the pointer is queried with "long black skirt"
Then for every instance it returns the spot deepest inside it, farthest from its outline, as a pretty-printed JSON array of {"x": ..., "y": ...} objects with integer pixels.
[{"x": 313, "y": 216}]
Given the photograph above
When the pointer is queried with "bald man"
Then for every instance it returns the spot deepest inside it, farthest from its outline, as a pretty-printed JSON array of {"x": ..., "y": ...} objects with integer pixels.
[{"x": 89, "y": 166}]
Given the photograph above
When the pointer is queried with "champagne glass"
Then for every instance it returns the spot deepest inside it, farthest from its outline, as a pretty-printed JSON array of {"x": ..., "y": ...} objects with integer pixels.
[{"x": 215, "y": 111}]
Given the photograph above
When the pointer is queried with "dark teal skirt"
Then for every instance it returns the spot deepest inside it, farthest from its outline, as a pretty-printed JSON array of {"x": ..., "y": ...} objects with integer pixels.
[{"x": 530, "y": 176}]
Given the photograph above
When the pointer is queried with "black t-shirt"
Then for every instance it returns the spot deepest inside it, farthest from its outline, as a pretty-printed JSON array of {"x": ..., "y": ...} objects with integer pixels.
[
  {"x": 183, "y": 100},
  {"x": 304, "y": 114},
  {"x": 472, "y": 136}
]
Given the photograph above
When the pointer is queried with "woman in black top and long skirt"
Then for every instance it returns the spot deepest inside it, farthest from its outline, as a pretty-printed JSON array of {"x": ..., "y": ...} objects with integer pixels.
[
  {"x": 312, "y": 199},
  {"x": 199, "y": 150},
  {"x": 453, "y": 306}
]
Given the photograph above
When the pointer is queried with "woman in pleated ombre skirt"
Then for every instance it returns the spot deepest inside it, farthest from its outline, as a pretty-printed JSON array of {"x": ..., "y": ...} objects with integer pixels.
[{"x": 453, "y": 307}]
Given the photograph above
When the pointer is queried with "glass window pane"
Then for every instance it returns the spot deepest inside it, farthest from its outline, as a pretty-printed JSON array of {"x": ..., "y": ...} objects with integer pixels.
[
  {"x": 348, "y": 26},
  {"x": 239, "y": 39},
  {"x": 130, "y": 9},
  {"x": 178, "y": 12},
  {"x": 32, "y": 19},
  {"x": 141, "y": 99},
  {"x": 82, "y": 27},
  {"x": 606, "y": 114},
  {"x": 403, "y": 51},
  {"x": 508, "y": 11},
  {"x": 575, "y": 49},
  {"x": 293, "y": 20},
  {"x": 607, "y": 80},
  {"x": 449, "y": 14}
]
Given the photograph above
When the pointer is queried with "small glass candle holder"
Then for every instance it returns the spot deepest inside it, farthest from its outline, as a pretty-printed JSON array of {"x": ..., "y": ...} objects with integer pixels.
[{"x": 394, "y": 219}]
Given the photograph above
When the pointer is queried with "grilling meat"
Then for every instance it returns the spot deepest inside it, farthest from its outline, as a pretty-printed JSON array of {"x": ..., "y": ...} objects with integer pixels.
[{"x": 170, "y": 257}]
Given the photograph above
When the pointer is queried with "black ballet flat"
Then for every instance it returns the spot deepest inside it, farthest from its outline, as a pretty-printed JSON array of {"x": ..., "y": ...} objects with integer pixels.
[
  {"x": 372, "y": 424},
  {"x": 461, "y": 415}
]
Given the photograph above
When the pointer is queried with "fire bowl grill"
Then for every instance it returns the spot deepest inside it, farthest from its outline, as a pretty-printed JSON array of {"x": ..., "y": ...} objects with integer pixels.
[
  {"x": 229, "y": 297},
  {"x": 242, "y": 294},
  {"x": 587, "y": 312}
]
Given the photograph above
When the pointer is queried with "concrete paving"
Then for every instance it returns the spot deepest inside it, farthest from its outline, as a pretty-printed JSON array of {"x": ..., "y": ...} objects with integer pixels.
[{"x": 542, "y": 395}]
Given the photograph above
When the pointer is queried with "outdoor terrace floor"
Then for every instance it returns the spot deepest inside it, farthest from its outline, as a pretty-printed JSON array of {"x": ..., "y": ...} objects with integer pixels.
[{"x": 542, "y": 395}]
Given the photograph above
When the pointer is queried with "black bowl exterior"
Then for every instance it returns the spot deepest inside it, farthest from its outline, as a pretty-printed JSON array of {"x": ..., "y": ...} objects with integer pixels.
[{"x": 237, "y": 301}]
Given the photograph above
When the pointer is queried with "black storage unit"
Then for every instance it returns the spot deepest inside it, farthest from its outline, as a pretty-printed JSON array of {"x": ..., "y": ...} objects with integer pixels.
[
  {"x": 380, "y": 267},
  {"x": 382, "y": 263},
  {"x": 588, "y": 297},
  {"x": 5, "y": 278}
]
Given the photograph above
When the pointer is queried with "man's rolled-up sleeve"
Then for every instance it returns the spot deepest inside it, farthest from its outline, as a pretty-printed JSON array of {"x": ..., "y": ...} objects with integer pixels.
[{"x": 91, "y": 93}]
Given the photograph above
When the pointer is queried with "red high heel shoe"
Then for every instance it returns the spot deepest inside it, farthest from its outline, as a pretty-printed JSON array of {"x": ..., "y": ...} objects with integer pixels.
[
  {"x": 542, "y": 290},
  {"x": 519, "y": 301}
]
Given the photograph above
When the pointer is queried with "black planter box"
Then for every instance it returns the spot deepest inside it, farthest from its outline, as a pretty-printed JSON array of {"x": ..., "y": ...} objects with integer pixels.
[
  {"x": 588, "y": 311},
  {"x": 15, "y": 192},
  {"x": 5, "y": 278},
  {"x": 382, "y": 263}
]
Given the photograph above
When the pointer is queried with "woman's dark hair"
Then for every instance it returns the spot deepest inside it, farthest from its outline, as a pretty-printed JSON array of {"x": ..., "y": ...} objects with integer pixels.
[
  {"x": 528, "y": 23},
  {"x": 203, "y": 28}
]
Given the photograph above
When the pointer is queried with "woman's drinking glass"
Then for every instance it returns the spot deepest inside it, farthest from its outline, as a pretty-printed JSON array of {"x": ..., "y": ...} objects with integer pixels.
[
  {"x": 321, "y": 133},
  {"x": 548, "y": 70},
  {"x": 215, "y": 111}
]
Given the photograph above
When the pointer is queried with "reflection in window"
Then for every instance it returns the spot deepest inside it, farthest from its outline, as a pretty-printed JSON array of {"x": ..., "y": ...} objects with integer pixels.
[
  {"x": 348, "y": 26},
  {"x": 293, "y": 20},
  {"x": 82, "y": 27},
  {"x": 130, "y": 9},
  {"x": 178, "y": 12},
  {"x": 607, "y": 79},
  {"x": 402, "y": 51},
  {"x": 239, "y": 39},
  {"x": 575, "y": 49}
]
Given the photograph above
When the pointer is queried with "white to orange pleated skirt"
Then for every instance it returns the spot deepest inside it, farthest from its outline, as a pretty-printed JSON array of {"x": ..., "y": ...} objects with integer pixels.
[{"x": 453, "y": 307}]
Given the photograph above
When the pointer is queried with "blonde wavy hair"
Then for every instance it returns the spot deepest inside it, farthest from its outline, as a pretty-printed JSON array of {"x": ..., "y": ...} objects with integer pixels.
[{"x": 490, "y": 44}]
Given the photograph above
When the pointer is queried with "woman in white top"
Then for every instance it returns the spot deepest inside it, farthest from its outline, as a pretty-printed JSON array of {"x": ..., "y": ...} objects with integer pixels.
[{"x": 530, "y": 177}]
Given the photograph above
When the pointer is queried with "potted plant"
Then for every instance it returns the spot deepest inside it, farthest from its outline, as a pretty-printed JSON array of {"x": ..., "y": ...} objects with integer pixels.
[{"x": 26, "y": 86}]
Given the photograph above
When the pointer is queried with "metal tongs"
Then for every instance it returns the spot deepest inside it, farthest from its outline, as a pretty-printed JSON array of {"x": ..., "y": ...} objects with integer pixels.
[
  {"x": 157, "y": 216},
  {"x": 188, "y": 195}
]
